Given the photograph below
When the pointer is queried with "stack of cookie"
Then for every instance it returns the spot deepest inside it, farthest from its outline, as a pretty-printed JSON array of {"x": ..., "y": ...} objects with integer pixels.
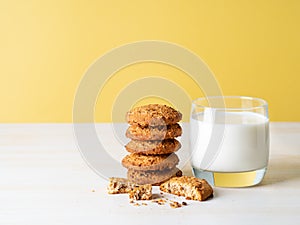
[{"x": 153, "y": 129}]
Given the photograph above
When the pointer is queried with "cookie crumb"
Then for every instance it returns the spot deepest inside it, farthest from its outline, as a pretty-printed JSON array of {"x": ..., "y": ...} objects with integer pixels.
[
  {"x": 159, "y": 201},
  {"x": 184, "y": 203},
  {"x": 144, "y": 203},
  {"x": 174, "y": 204},
  {"x": 93, "y": 190},
  {"x": 136, "y": 204},
  {"x": 142, "y": 192},
  {"x": 131, "y": 201}
]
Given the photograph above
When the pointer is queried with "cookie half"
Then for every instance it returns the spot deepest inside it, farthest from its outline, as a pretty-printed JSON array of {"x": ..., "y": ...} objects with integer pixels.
[
  {"x": 152, "y": 177},
  {"x": 153, "y": 147},
  {"x": 154, "y": 133},
  {"x": 153, "y": 115},
  {"x": 139, "y": 161},
  {"x": 191, "y": 188}
]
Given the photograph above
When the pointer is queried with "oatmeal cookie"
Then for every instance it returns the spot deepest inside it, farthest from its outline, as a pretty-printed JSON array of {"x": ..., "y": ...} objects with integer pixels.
[
  {"x": 153, "y": 147},
  {"x": 152, "y": 177},
  {"x": 153, "y": 115},
  {"x": 148, "y": 133},
  {"x": 138, "y": 161}
]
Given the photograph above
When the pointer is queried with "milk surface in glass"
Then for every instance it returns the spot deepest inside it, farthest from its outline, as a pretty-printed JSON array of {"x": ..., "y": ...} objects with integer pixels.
[{"x": 244, "y": 145}]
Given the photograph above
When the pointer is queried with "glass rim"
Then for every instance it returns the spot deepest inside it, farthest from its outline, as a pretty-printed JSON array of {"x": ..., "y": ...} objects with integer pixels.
[{"x": 263, "y": 103}]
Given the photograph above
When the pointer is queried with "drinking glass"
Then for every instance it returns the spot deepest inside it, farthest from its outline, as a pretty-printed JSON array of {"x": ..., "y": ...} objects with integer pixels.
[{"x": 229, "y": 140}]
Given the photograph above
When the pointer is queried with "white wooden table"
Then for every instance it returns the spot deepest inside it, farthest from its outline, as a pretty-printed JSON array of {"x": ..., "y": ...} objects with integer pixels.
[{"x": 44, "y": 180}]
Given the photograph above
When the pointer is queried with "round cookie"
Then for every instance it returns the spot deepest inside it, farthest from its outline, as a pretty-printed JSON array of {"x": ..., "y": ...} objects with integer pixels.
[
  {"x": 166, "y": 146},
  {"x": 153, "y": 115},
  {"x": 138, "y": 161},
  {"x": 136, "y": 132},
  {"x": 152, "y": 177}
]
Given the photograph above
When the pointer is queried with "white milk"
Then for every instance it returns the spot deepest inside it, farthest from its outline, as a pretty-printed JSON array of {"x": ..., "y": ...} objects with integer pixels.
[{"x": 239, "y": 141}]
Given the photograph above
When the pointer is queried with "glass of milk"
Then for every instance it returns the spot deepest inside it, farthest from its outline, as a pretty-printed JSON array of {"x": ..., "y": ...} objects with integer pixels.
[{"x": 229, "y": 140}]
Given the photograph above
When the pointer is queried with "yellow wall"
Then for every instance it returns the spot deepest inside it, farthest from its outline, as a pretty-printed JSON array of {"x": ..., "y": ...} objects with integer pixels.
[{"x": 253, "y": 47}]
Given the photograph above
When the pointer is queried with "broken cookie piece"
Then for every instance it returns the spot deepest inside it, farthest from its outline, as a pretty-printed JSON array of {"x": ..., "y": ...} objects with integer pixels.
[
  {"x": 119, "y": 186},
  {"x": 141, "y": 192},
  {"x": 191, "y": 188}
]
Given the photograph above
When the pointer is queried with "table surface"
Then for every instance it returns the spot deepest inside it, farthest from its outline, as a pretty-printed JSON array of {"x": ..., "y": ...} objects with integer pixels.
[{"x": 44, "y": 180}]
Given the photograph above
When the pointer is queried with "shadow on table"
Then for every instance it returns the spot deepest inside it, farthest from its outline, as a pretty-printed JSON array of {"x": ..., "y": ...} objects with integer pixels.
[{"x": 282, "y": 169}]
